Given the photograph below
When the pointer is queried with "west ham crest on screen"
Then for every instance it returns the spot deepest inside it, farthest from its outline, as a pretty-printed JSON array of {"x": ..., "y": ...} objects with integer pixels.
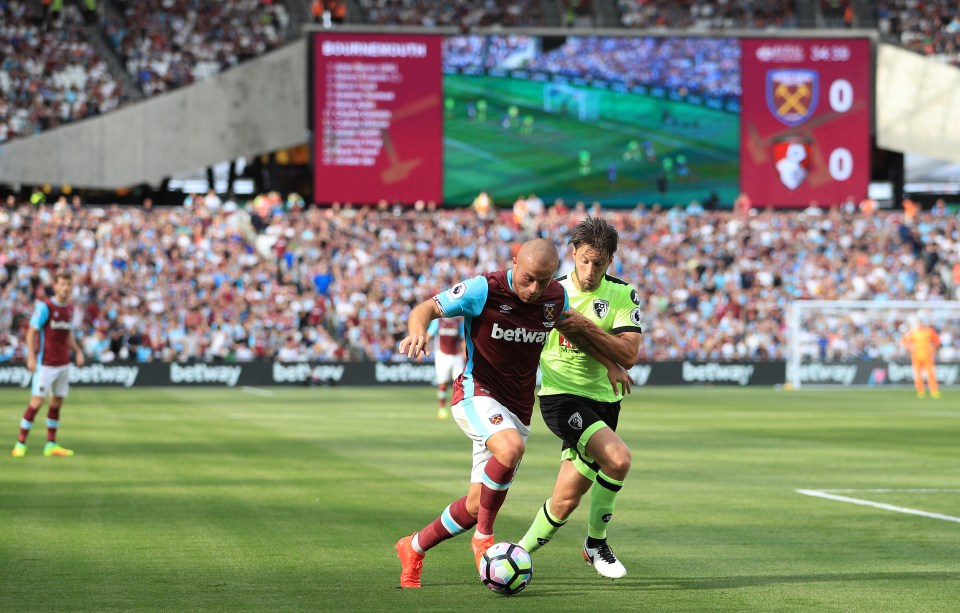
[
  {"x": 497, "y": 419},
  {"x": 549, "y": 311},
  {"x": 792, "y": 94}
]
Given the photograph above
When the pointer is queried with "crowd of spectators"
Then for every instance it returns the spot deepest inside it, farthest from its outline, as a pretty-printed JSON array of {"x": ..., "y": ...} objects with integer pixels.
[
  {"x": 49, "y": 73},
  {"x": 708, "y": 66},
  {"x": 929, "y": 27},
  {"x": 457, "y": 13},
  {"x": 221, "y": 280},
  {"x": 170, "y": 43},
  {"x": 707, "y": 14}
]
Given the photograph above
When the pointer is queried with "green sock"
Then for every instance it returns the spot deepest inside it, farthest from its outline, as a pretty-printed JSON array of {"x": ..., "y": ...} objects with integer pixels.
[
  {"x": 544, "y": 526},
  {"x": 603, "y": 500}
]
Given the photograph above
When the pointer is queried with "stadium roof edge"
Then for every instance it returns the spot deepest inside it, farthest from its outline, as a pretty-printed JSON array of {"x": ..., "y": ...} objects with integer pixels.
[{"x": 874, "y": 35}]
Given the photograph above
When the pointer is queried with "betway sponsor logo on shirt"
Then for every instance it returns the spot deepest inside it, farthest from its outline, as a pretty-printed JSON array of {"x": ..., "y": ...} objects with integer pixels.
[
  {"x": 205, "y": 373},
  {"x": 60, "y": 325},
  {"x": 301, "y": 373},
  {"x": 715, "y": 372},
  {"x": 518, "y": 335}
]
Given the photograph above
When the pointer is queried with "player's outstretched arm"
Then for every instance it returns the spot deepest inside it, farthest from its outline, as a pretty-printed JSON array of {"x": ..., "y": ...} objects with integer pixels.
[
  {"x": 622, "y": 348},
  {"x": 415, "y": 343}
]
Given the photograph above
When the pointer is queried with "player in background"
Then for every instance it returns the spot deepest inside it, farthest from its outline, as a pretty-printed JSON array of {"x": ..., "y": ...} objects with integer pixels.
[
  {"x": 576, "y": 401},
  {"x": 448, "y": 356},
  {"x": 52, "y": 322},
  {"x": 922, "y": 341},
  {"x": 508, "y": 315}
]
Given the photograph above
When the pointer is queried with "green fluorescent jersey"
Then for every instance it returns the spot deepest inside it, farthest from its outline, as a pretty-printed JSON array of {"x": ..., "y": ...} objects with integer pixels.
[{"x": 615, "y": 307}]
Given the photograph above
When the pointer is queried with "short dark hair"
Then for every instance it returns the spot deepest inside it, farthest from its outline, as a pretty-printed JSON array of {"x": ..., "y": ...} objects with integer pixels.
[
  {"x": 63, "y": 274},
  {"x": 597, "y": 233}
]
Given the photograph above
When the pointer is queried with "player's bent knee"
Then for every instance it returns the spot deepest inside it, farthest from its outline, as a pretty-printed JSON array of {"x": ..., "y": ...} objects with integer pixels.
[
  {"x": 618, "y": 464},
  {"x": 507, "y": 447},
  {"x": 510, "y": 456}
]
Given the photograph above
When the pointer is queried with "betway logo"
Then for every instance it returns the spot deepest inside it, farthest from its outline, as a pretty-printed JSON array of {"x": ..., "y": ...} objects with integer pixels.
[
  {"x": 204, "y": 373},
  {"x": 518, "y": 335},
  {"x": 301, "y": 373},
  {"x": 97, "y": 374},
  {"x": 713, "y": 372},
  {"x": 60, "y": 325},
  {"x": 844, "y": 374},
  {"x": 15, "y": 375},
  {"x": 100, "y": 373},
  {"x": 403, "y": 373},
  {"x": 947, "y": 374},
  {"x": 640, "y": 373}
]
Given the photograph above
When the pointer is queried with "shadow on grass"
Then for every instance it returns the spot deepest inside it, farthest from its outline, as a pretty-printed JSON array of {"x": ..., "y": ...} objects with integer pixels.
[{"x": 550, "y": 587}]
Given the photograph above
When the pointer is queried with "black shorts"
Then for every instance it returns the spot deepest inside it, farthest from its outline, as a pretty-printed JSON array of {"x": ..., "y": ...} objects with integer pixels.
[{"x": 569, "y": 417}]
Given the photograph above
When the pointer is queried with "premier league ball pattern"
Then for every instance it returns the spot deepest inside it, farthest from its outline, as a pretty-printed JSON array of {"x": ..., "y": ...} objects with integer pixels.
[{"x": 506, "y": 568}]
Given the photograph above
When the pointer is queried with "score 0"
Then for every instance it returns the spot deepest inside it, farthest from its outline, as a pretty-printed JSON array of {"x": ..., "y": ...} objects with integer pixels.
[{"x": 841, "y": 100}]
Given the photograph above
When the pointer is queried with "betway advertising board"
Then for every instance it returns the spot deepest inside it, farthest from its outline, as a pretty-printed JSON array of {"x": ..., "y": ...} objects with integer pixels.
[{"x": 265, "y": 374}]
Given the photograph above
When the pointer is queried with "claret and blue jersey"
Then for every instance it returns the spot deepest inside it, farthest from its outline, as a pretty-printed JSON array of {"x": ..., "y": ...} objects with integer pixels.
[
  {"x": 504, "y": 338},
  {"x": 54, "y": 322}
]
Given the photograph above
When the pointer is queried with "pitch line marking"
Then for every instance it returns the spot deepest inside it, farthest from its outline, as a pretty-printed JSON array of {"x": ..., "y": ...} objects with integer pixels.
[
  {"x": 256, "y": 391},
  {"x": 877, "y": 505},
  {"x": 895, "y": 491}
]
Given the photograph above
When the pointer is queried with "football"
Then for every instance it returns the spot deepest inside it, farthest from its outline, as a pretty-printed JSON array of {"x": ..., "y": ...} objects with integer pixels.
[{"x": 506, "y": 568}]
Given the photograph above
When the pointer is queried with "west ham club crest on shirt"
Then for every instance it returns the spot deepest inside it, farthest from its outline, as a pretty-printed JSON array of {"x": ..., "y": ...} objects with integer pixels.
[{"x": 549, "y": 314}]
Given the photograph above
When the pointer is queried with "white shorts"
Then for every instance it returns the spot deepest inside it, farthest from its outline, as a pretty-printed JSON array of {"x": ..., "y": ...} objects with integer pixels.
[
  {"x": 480, "y": 418},
  {"x": 448, "y": 366},
  {"x": 51, "y": 379}
]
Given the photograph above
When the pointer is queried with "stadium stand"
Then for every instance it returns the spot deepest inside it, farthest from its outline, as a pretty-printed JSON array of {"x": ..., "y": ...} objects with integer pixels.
[
  {"x": 707, "y": 14},
  {"x": 929, "y": 28},
  {"x": 460, "y": 13},
  {"x": 49, "y": 72},
  {"x": 221, "y": 280},
  {"x": 170, "y": 43}
]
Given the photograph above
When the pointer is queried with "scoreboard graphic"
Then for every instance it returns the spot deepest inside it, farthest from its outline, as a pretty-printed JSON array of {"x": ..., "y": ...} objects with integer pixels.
[
  {"x": 407, "y": 117},
  {"x": 805, "y": 123},
  {"x": 377, "y": 123}
]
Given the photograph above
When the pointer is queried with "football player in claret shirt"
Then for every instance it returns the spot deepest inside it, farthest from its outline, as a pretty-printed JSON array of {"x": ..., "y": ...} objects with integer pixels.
[
  {"x": 49, "y": 342},
  {"x": 508, "y": 316}
]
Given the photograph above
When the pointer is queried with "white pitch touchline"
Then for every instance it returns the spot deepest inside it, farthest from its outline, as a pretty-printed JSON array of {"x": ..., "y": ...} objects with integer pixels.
[
  {"x": 877, "y": 505},
  {"x": 256, "y": 391},
  {"x": 894, "y": 491}
]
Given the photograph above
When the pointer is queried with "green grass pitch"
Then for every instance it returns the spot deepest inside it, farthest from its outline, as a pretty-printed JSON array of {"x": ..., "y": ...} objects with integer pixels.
[
  {"x": 232, "y": 500},
  {"x": 508, "y": 162}
]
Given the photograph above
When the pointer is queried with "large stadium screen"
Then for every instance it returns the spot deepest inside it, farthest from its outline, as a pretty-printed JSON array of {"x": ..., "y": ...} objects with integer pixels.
[
  {"x": 619, "y": 120},
  {"x": 806, "y": 120}
]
